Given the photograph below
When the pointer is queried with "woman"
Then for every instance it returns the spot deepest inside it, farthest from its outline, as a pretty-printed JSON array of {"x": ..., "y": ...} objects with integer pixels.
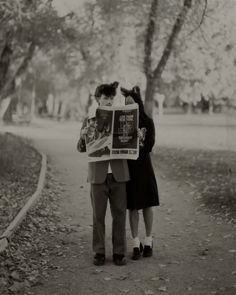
[{"x": 142, "y": 191}]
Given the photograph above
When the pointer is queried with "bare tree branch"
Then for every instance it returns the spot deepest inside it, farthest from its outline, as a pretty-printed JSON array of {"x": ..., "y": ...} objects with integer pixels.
[
  {"x": 174, "y": 34},
  {"x": 23, "y": 66},
  {"x": 7, "y": 88},
  {"x": 5, "y": 60},
  {"x": 201, "y": 20}
]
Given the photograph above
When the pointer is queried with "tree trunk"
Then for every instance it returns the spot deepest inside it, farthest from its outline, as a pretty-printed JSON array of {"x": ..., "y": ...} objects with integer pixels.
[
  {"x": 3, "y": 106},
  {"x": 149, "y": 96},
  {"x": 9, "y": 87},
  {"x": 173, "y": 36},
  {"x": 149, "y": 39},
  {"x": 154, "y": 76},
  {"x": 149, "y": 93},
  {"x": 5, "y": 60},
  {"x": 32, "y": 107},
  {"x": 161, "y": 99},
  {"x": 7, "y": 116},
  {"x": 59, "y": 110}
]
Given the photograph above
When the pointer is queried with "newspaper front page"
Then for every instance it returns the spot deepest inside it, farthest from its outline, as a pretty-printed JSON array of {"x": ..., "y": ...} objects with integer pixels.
[{"x": 112, "y": 134}]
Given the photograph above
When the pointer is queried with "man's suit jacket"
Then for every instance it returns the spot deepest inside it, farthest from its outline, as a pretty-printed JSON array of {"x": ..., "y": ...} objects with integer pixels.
[{"x": 97, "y": 171}]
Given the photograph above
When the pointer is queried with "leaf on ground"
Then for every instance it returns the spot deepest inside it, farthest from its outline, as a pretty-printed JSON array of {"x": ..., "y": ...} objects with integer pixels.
[
  {"x": 122, "y": 278},
  {"x": 162, "y": 288},
  {"x": 174, "y": 262},
  {"x": 203, "y": 257},
  {"x": 169, "y": 211},
  {"x": 162, "y": 265},
  {"x": 228, "y": 236},
  {"x": 32, "y": 278},
  {"x": 17, "y": 287},
  {"x": 204, "y": 252},
  {"x": 15, "y": 276},
  {"x": 98, "y": 270},
  {"x": 155, "y": 279},
  {"x": 148, "y": 292},
  {"x": 3, "y": 282}
]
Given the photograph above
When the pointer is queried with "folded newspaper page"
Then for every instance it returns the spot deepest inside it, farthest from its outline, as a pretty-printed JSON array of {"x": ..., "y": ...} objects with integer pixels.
[{"x": 112, "y": 133}]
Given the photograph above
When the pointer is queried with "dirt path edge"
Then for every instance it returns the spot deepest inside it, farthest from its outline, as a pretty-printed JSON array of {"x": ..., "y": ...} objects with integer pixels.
[{"x": 5, "y": 237}]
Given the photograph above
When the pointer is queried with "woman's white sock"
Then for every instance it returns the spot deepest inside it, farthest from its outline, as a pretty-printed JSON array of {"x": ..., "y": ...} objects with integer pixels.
[
  {"x": 148, "y": 241},
  {"x": 136, "y": 242}
]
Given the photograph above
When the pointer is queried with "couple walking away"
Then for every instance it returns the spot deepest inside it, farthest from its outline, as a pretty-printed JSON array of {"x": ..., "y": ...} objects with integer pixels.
[{"x": 127, "y": 184}]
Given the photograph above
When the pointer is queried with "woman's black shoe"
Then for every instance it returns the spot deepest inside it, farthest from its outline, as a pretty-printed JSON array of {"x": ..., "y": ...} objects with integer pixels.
[
  {"x": 147, "y": 251},
  {"x": 99, "y": 259},
  {"x": 137, "y": 251}
]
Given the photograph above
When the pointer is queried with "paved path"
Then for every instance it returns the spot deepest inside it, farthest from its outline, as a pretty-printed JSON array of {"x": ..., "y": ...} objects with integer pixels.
[{"x": 194, "y": 253}]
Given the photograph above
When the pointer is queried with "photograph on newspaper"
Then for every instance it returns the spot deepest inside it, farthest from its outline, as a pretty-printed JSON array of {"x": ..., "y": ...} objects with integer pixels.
[{"x": 112, "y": 134}]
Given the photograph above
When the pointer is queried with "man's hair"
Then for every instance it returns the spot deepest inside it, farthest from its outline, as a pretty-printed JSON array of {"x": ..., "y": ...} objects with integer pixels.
[{"x": 106, "y": 89}]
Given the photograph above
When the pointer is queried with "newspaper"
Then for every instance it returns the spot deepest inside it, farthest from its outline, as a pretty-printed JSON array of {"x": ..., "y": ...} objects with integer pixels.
[{"x": 112, "y": 133}]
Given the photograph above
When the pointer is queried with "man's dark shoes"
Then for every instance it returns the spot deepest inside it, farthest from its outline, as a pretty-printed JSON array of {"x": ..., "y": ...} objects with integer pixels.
[
  {"x": 99, "y": 259},
  {"x": 119, "y": 259},
  {"x": 147, "y": 251},
  {"x": 137, "y": 251}
]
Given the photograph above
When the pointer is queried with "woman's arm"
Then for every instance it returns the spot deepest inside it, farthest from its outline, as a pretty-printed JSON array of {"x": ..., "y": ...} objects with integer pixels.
[{"x": 149, "y": 138}]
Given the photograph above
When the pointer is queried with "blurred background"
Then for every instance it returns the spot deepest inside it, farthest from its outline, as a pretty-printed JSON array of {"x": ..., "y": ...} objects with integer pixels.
[
  {"x": 53, "y": 54},
  {"x": 182, "y": 55}
]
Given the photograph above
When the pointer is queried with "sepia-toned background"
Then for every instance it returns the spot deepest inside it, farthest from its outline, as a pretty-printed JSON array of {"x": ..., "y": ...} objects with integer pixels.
[{"x": 53, "y": 55}]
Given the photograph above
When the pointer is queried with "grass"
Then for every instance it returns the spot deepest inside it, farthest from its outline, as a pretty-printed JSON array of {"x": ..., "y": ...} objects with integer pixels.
[
  {"x": 20, "y": 166},
  {"x": 13, "y": 152},
  {"x": 210, "y": 174}
]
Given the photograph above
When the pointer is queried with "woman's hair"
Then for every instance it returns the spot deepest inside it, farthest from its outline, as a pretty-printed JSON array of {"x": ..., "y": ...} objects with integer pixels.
[
  {"x": 136, "y": 95},
  {"x": 106, "y": 89}
]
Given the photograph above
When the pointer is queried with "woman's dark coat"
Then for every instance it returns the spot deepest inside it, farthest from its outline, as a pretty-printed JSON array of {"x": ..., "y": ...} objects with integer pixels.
[{"x": 142, "y": 191}]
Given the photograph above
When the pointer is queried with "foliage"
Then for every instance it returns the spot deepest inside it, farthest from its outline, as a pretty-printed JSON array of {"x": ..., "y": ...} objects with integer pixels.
[
  {"x": 105, "y": 41},
  {"x": 204, "y": 63},
  {"x": 201, "y": 59},
  {"x": 26, "y": 26}
]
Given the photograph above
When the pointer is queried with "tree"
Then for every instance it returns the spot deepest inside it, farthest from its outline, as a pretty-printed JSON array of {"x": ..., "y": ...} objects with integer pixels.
[
  {"x": 153, "y": 75},
  {"x": 157, "y": 25},
  {"x": 99, "y": 26},
  {"x": 27, "y": 25},
  {"x": 205, "y": 60}
]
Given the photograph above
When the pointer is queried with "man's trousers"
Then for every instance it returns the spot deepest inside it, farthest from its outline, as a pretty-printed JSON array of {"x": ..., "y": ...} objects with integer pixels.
[{"x": 115, "y": 192}]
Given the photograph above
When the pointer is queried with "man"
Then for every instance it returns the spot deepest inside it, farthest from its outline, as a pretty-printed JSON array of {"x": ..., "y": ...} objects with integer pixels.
[{"x": 108, "y": 182}]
